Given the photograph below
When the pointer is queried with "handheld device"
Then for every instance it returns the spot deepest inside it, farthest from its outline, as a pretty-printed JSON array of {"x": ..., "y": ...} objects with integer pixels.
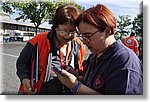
[{"x": 57, "y": 70}]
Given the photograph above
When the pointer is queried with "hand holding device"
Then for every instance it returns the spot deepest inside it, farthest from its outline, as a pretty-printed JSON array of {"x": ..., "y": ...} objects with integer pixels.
[{"x": 57, "y": 70}]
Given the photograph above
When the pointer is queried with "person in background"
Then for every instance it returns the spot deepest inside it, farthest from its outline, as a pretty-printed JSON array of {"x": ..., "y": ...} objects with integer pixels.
[
  {"x": 131, "y": 43},
  {"x": 48, "y": 50},
  {"x": 111, "y": 68}
]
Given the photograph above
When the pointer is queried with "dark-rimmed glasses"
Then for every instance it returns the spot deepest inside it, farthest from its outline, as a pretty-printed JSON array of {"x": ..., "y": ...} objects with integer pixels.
[{"x": 88, "y": 37}]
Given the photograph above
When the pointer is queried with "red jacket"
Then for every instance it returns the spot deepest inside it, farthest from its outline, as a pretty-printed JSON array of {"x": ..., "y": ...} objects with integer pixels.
[
  {"x": 43, "y": 51},
  {"x": 131, "y": 43}
]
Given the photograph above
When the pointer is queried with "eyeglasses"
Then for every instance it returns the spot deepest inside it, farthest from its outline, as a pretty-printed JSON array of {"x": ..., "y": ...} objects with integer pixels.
[
  {"x": 64, "y": 32},
  {"x": 88, "y": 37}
]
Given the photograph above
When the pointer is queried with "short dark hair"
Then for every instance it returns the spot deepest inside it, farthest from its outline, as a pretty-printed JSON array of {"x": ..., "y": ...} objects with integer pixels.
[{"x": 64, "y": 14}]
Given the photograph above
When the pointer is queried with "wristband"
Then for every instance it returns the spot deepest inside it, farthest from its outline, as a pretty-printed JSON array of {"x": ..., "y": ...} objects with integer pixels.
[{"x": 76, "y": 88}]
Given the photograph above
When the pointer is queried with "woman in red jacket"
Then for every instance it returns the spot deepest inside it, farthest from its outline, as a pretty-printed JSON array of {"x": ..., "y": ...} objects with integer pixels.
[{"x": 51, "y": 49}]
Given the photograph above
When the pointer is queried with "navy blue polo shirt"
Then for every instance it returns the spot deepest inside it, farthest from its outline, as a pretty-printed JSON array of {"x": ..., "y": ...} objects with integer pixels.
[{"x": 118, "y": 71}]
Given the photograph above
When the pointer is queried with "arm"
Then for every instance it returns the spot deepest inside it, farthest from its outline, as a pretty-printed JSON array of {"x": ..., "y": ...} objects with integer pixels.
[
  {"x": 23, "y": 67},
  {"x": 70, "y": 81},
  {"x": 24, "y": 62},
  {"x": 84, "y": 90}
]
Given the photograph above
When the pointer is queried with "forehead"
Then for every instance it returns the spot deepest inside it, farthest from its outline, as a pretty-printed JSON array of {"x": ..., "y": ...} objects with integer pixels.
[
  {"x": 66, "y": 26},
  {"x": 86, "y": 27}
]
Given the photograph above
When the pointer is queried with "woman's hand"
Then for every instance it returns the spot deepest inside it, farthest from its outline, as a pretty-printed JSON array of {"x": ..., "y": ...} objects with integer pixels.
[
  {"x": 68, "y": 79},
  {"x": 27, "y": 87},
  {"x": 70, "y": 70}
]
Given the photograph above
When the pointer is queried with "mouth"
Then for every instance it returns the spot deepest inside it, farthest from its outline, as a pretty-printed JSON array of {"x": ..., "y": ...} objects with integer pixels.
[{"x": 68, "y": 38}]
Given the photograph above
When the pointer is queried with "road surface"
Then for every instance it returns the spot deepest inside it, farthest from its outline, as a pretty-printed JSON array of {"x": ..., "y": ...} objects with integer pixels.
[{"x": 9, "y": 53}]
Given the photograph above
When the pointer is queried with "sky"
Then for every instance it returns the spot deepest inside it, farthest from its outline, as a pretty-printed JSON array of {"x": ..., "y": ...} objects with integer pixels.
[{"x": 118, "y": 7}]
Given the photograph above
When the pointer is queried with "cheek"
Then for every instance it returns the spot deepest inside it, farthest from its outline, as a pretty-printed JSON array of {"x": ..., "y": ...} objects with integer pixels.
[
  {"x": 98, "y": 43},
  {"x": 60, "y": 38}
]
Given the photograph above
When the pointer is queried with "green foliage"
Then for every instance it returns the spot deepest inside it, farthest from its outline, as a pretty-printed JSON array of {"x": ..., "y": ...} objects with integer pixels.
[
  {"x": 37, "y": 11},
  {"x": 6, "y": 7},
  {"x": 123, "y": 22},
  {"x": 138, "y": 24},
  {"x": 125, "y": 25}
]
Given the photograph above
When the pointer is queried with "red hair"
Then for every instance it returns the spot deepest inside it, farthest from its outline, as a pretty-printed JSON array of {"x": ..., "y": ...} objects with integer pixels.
[{"x": 99, "y": 16}]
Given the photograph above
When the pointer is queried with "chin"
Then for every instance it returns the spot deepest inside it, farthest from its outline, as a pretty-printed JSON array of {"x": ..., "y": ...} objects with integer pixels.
[
  {"x": 67, "y": 39},
  {"x": 92, "y": 50}
]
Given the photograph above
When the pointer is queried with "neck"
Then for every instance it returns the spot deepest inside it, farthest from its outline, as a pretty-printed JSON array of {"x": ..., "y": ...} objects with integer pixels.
[
  {"x": 109, "y": 41},
  {"x": 58, "y": 43}
]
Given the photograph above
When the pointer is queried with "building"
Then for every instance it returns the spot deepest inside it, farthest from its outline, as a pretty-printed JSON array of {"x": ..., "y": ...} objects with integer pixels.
[{"x": 18, "y": 29}]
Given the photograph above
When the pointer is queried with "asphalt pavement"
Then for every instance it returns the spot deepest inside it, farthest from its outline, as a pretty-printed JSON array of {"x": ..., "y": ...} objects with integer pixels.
[{"x": 9, "y": 52}]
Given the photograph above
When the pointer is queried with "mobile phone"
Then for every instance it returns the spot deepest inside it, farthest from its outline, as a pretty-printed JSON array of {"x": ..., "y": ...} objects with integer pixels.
[{"x": 57, "y": 70}]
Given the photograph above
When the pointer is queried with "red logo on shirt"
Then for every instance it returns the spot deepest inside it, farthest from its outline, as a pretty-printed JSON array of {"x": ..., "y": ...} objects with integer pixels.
[{"x": 98, "y": 81}]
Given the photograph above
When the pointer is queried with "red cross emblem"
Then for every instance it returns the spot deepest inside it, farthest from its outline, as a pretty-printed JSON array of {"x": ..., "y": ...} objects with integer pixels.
[{"x": 98, "y": 81}]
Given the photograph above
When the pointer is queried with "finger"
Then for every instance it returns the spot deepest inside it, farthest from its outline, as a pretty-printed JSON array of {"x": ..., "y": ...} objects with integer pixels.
[
  {"x": 65, "y": 73},
  {"x": 63, "y": 66},
  {"x": 68, "y": 69},
  {"x": 28, "y": 89},
  {"x": 62, "y": 74},
  {"x": 27, "y": 86},
  {"x": 33, "y": 91}
]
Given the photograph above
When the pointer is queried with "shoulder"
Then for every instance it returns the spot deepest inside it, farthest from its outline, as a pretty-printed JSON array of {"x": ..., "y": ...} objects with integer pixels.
[
  {"x": 38, "y": 38},
  {"x": 123, "y": 53},
  {"x": 41, "y": 35},
  {"x": 119, "y": 54},
  {"x": 126, "y": 58}
]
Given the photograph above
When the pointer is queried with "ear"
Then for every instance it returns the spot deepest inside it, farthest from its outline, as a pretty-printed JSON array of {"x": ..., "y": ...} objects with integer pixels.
[{"x": 108, "y": 31}]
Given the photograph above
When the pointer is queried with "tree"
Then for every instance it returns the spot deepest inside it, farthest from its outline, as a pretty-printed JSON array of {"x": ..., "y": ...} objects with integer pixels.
[
  {"x": 123, "y": 24},
  {"x": 37, "y": 12},
  {"x": 138, "y": 24}
]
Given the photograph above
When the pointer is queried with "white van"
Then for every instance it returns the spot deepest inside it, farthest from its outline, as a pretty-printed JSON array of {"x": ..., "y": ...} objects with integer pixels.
[{"x": 18, "y": 35}]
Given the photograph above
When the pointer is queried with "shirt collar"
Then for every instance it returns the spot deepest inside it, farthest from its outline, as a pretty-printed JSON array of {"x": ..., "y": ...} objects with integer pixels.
[{"x": 111, "y": 49}]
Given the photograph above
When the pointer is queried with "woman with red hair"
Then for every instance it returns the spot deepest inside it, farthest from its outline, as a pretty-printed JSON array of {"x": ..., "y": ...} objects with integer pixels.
[{"x": 111, "y": 67}]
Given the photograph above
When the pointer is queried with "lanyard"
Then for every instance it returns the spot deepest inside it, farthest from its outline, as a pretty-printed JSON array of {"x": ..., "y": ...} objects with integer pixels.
[
  {"x": 48, "y": 68},
  {"x": 68, "y": 50}
]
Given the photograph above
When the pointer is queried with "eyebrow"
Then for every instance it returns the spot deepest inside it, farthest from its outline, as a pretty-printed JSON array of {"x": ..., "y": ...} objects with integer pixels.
[{"x": 86, "y": 33}]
